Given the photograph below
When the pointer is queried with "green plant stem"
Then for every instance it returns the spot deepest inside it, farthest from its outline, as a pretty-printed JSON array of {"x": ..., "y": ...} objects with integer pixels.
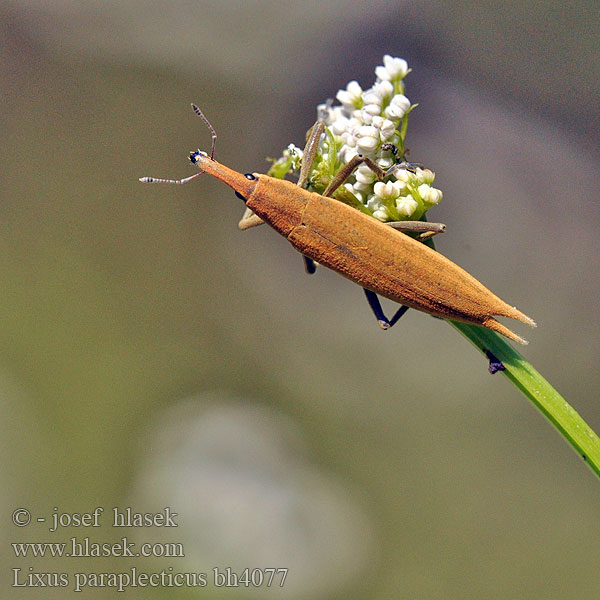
[{"x": 556, "y": 409}]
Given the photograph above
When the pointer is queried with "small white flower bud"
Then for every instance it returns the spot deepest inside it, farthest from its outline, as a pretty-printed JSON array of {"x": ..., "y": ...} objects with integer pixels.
[
  {"x": 426, "y": 175},
  {"x": 419, "y": 176},
  {"x": 366, "y": 130},
  {"x": 354, "y": 191},
  {"x": 430, "y": 195},
  {"x": 348, "y": 139},
  {"x": 385, "y": 126},
  {"x": 382, "y": 73},
  {"x": 362, "y": 187},
  {"x": 366, "y": 117},
  {"x": 374, "y": 202},
  {"x": 383, "y": 89},
  {"x": 367, "y": 138},
  {"x": 398, "y": 107},
  {"x": 381, "y": 214},
  {"x": 347, "y": 153},
  {"x": 372, "y": 109},
  {"x": 396, "y": 67},
  {"x": 353, "y": 124},
  {"x": 403, "y": 175},
  {"x": 406, "y": 206},
  {"x": 423, "y": 190},
  {"x": 367, "y": 144},
  {"x": 386, "y": 191},
  {"x": 401, "y": 186},
  {"x": 350, "y": 97},
  {"x": 384, "y": 163},
  {"x": 372, "y": 97},
  {"x": 354, "y": 88},
  {"x": 364, "y": 175},
  {"x": 340, "y": 125}
]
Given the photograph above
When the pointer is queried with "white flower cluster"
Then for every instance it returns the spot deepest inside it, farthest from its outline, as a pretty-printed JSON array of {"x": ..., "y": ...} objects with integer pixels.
[{"x": 366, "y": 121}]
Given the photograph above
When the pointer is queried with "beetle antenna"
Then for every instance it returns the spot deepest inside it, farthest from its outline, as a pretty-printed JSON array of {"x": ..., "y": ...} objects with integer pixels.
[
  {"x": 212, "y": 153},
  {"x": 177, "y": 181},
  {"x": 210, "y": 127}
]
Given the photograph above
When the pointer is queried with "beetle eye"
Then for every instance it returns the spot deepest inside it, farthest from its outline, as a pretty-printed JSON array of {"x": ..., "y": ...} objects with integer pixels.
[
  {"x": 241, "y": 197},
  {"x": 195, "y": 156},
  {"x": 249, "y": 176}
]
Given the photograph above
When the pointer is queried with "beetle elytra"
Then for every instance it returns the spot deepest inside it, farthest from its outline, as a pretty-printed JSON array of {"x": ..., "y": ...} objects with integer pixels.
[{"x": 376, "y": 256}]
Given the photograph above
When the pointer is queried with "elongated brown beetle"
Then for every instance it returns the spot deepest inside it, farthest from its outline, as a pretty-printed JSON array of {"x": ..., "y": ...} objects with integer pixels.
[{"x": 375, "y": 255}]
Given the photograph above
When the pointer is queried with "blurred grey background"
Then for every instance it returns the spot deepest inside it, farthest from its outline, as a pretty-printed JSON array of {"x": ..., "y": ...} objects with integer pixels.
[{"x": 152, "y": 355}]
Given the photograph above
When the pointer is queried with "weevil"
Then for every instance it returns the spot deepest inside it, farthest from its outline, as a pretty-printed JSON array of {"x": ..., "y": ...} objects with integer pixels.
[{"x": 378, "y": 256}]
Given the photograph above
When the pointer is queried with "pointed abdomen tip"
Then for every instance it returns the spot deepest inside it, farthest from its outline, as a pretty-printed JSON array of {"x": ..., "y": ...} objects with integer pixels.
[
  {"x": 512, "y": 312},
  {"x": 523, "y": 317},
  {"x": 498, "y": 327}
]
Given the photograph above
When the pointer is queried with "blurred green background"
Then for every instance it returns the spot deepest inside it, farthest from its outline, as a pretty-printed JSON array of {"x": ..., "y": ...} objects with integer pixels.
[{"x": 152, "y": 355}]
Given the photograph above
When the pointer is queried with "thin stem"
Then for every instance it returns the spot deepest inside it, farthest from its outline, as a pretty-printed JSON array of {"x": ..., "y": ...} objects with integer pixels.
[
  {"x": 534, "y": 387},
  {"x": 544, "y": 397}
]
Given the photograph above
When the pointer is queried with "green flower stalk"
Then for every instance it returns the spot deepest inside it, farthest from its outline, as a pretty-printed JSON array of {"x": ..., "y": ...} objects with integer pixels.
[{"x": 374, "y": 123}]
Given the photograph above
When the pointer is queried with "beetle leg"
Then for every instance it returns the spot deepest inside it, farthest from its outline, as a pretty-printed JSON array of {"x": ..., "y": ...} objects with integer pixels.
[
  {"x": 347, "y": 169},
  {"x": 495, "y": 363},
  {"x": 424, "y": 228},
  {"x": 375, "y": 305},
  {"x": 308, "y": 158},
  {"x": 310, "y": 265},
  {"x": 249, "y": 220},
  {"x": 403, "y": 166},
  {"x": 310, "y": 151},
  {"x": 398, "y": 314}
]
